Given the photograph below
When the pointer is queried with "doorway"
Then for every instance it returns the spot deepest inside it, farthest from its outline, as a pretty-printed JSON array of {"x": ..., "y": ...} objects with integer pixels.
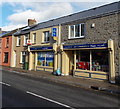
[
  {"x": 70, "y": 55},
  {"x": 14, "y": 59}
]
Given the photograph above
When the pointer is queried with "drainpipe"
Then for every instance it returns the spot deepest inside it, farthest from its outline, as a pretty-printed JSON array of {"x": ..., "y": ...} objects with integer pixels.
[{"x": 59, "y": 43}]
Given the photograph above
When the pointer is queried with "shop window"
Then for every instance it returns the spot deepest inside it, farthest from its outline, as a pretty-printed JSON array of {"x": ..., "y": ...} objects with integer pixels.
[
  {"x": 83, "y": 60},
  {"x": 97, "y": 62},
  {"x": 45, "y": 59},
  {"x": 100, "y": 61},
  {"x": 6, "y": 57},
  {"x": 77, "y": 31},
  {"x": 46, "y": 36}
]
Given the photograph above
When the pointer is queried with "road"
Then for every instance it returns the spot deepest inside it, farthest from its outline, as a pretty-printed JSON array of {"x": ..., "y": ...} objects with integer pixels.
[{"x": 25, "y": 91}]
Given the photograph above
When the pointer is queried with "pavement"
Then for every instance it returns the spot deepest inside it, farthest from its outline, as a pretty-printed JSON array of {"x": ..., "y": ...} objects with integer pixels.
[{"x": 103, "y": 86}]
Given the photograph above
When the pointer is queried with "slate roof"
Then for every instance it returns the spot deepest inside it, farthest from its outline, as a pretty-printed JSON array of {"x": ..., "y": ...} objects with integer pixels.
[
  {"x": 4, "y": 33},
  {"x": 8, "y": 33},
  {"x": 94, "y": 12}
]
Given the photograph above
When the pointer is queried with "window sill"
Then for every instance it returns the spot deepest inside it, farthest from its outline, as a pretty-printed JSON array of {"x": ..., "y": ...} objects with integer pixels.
[
  {"x": 90, "y": 71},
  {"x": 45, "y": 42},
  {"x": 24, "y": 45},
  {"x": 77, "y": 37},
  {"x": 5, "y": 62},
  {"x": 38, "y": 66}
]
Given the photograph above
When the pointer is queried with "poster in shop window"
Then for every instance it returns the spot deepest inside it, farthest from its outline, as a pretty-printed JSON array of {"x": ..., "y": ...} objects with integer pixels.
[
  {"x": 41, "y": 59},
  {"x": 45, "y": 59},
  {"x": 49, "y": 59}
]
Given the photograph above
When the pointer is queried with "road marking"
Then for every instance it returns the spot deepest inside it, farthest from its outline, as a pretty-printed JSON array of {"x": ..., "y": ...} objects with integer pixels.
[
  {"x": 18, "y": 72},
  {"x": 49, "y": 100},
  {"x": 5, "y": 84}
]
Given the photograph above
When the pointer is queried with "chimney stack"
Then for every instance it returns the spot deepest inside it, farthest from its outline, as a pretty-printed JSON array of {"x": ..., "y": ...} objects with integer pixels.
[{"x": 31, "y": 22}]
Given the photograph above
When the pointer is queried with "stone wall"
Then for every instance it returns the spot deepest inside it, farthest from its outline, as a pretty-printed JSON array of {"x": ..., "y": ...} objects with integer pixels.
[{"x": 106, "y": 27}]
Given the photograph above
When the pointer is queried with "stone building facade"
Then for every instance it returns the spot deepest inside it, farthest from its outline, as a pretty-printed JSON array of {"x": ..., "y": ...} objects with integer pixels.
[{"x": 105, "y": 28}]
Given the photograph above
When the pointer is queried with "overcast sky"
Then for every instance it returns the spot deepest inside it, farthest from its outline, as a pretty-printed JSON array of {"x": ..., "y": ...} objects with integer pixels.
[{"x": 15, "y": 13}]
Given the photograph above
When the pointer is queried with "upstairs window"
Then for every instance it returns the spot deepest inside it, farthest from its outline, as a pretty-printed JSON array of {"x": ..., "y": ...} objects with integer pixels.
[
  {"x": 77, "y": 31},
  {"x": 18, "y": 41},
  {"x": 46, "y": 36},
  {"x": 6, "y": 57},
  {"x": 7, "y": 42},
  {"x": 25, "y": 40},
  {"x": 22, "y": 57},
  {"x": 34, "y": 38}
]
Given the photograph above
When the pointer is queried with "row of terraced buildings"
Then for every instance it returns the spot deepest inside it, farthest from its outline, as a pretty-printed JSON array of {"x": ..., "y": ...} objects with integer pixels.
[{"x": 84, "y": 44}]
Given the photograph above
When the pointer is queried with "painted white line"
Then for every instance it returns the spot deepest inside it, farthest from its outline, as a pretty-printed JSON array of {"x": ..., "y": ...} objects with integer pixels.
[
  {"x": 5, "y": 84},
  {"x": 49, "y": 100},
  {"x": 18, "y": 72}
]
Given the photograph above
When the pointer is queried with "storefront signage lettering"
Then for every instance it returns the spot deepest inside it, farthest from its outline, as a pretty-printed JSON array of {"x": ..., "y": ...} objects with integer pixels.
[
  {"x": 85, "y": 46},
  {"x": 41, "y": 48}
]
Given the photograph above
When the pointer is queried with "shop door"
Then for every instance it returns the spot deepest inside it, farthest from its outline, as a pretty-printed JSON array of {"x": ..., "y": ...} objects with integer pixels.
[
  {"x": 34, "y": 60},
  {"x": 71, "y": 60},
  {"x": 14, "y": 59}
]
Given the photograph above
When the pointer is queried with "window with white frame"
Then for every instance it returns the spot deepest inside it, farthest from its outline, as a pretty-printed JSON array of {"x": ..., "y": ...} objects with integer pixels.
[
  {"x": 7, "y": 42},
  {"x": 46, "y": 36},
  {"x": 22, "y": 57},
  {"x": 77, "y": 31},
  {"x": 18, "y": 41},
  {"x": 25, "y": 39},
  {"x": 34, "y": 38}
]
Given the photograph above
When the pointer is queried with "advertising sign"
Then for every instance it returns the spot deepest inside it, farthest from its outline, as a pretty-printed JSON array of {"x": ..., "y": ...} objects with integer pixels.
[
  {"x": 85, "y": 46},
  {"x": 54, "y": 32}
]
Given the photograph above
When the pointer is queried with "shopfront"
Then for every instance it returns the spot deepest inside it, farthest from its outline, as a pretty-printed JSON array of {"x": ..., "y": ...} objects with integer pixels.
[
  {"x": 44, "y": 58},
  {"x": 98, "y": 59},
  {"x": 88, "y": 60}
]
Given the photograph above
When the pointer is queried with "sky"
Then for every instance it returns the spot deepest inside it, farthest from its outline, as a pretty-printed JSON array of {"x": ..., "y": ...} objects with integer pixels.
[{"x": 15, "y": 13}]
